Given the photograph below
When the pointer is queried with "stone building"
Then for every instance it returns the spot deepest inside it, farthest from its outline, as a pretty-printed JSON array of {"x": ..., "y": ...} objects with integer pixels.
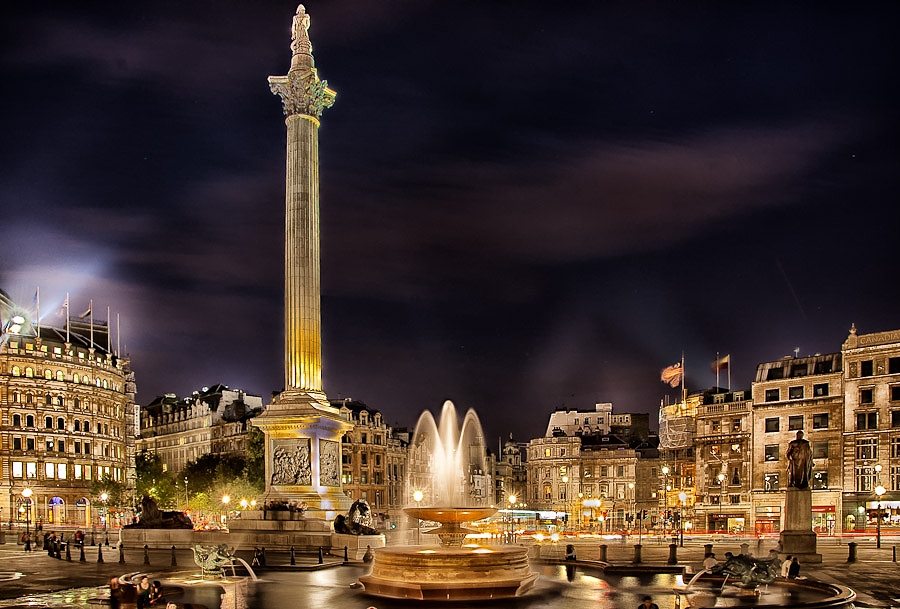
[
  {"x": 722, "y": 444},
  {"x": 213, "y": 421},
  {"x": 67, "y": 410},
  {"x": 510, "y": 475},
  {"x": 871, "y": 426},
  {"x": 580, "y": 477},
  {"x": 373, "y": 462},
  {"x": 790, "y": 395}
]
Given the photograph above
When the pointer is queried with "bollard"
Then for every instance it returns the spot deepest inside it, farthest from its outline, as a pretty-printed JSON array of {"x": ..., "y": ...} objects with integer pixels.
[
  {"x": 56, "y": 549},
  {"x": 637, "y": 554},
  {"x": 68, "y": 553},
  {"x": 895, "y": 553},
  {"x": 82, "y": 558},
  {"x": 707, "y": 549},
  {"x": 293, "y": 558},
  {"x": 321, "y": 556},
  {"x": 121, "y": 553},
  {"x": 603, "y": 548},
  {"x": 100, "y": 553},
  {"x": 745, "y": 549},
  {"x": 174, "y": 562},
  {"x": 673, "y": 554},
  {"x": 146, "y": 554},
  {"x": 347, "y": 556},
  {"x": 851, "y": 557}
]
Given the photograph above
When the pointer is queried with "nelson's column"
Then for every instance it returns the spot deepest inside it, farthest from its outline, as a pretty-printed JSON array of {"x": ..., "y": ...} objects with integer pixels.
[{"x": 302, "y": 430}]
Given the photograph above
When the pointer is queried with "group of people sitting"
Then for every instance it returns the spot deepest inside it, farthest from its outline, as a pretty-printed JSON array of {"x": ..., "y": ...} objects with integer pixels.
[{"x": 143, "y": 595}]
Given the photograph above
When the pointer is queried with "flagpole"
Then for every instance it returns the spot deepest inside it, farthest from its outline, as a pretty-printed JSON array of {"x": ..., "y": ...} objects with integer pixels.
[
  {"x": 682, "y": 377},
  {"x": 67, "y": 317},
  {"x": 91, "y": 313},
  {"x": 716, "y": 366},
  {"x": 107, "y": 330},
  {"x": 729, "y": 373},
  {"x": 118, "y": 337},
  {"x": 37, "y": 297}
]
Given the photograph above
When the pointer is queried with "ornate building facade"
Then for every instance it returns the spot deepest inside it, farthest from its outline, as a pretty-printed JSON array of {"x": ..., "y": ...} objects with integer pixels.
[
  {"x": 211, "y": 421},
  {"x": 373, "y": 462},
  {"x": 66, "y": 418}
]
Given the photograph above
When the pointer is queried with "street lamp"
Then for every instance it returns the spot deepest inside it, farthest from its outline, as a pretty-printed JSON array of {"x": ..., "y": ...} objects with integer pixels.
[
  {"x": 187, "y": 498},
  {"x": 665, "y": 472},
  {"x": 512, "y": 502},
  {"x": 683, "y": 497},
  {"x": 721, "y": 478},
  {"x": 417, "y": 497},
  {"x": 103, "y": 498},
  {"x": 633, "y": 502},
  {"x": 26, "y": 494},
  {"x": 580, "y": 511},
  {"x": 565, "y": 481},
  {"x": 226, "y": 499},
  {"x": 879, "y": 491}
]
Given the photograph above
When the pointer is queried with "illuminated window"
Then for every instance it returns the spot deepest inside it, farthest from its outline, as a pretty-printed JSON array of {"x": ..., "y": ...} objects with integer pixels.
[
  {"x": 50, "y": 470},
  {"x": 76, "y": 378},
  {"x": 29, "y": 372},
  {"x": 60, "y": 375},
  {"x": 48, "y": 374},
  {"x": 77, "y": 471},
  {"x": 61, "y": 471},
  {"x": 16, "y": 371},
  {"x": 17, "y": 469},
  {"x": 31, "y": 469}
]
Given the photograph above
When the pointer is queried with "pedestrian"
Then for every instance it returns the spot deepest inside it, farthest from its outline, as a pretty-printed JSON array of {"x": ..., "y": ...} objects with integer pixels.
[
  {"x": 648, "y": 604},
  {"x": 710, "y": 561},
  {"x": 785, "y": 566},
  {"x": 26, "y": 539},
  {"x": 156, "y": 595},
  {"x": 256, "y": 558},
  {"x": 570, "y": 552},
  {"x": 115, "y": 593},
  {"x": 794, "y": 569},
  {"x": 143, "y": 593}
]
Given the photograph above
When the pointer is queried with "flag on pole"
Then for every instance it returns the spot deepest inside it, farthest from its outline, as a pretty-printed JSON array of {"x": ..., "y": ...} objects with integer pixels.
[
  {"x": 89, "y": 311},
  {"x": 721, "y": 363},
  {"x": 672, "y": 375}
]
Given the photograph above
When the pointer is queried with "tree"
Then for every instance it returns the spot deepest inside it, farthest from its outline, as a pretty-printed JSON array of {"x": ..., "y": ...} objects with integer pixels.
[
  {"x": 153, "y": 480},
  {"x": 115, "y": 491},
  {"x": 255, "y": 470}
]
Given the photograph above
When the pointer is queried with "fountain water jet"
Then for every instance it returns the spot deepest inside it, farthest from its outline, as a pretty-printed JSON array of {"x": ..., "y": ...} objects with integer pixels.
[{"x": 446, "y": 463}]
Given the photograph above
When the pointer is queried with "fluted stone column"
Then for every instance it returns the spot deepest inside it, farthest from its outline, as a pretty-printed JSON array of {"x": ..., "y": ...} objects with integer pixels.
[{"x": 303, "y": 431}]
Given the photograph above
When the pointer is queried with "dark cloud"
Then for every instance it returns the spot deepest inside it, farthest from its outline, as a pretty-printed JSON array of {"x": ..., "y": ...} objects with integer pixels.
[{"x": 523, "y": 206}]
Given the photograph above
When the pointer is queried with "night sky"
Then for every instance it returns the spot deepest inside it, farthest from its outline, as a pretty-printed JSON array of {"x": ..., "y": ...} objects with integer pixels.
[{"x": 523, "y": 206}]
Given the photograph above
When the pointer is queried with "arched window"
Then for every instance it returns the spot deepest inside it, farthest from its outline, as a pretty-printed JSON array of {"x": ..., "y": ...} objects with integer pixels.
[
  {"x": 105, "y": 384},
  {"x": 29, "y": 420},
  {"x": 97, "y": 382},
  {"x": 17, "y": 420},
  {"x": 60, "y": 375},
  {"x": 48, "y": 422},
  {"x": 29, "y": 372},
  {"x": 48, "y": 374},
  {"x": 16, "y": 371},
  {"x": 60, "y": 423},
  {"x": 48, "y": 399},
  {"x": 29, "y": 399},
  {"x": 59, "y": 400},
  {"x": 76, "y": 378},
  {"x": 77, "y": 402},
  {"x": 17, "y": 397},
  {"x": 86, "y": 380},
  {"x": 77, "y": 425},
  {"x": 87, "y": 426}
]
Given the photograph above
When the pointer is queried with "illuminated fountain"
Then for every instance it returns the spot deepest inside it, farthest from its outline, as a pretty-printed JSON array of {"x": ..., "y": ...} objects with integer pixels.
[{"x": 446, "y": 464}]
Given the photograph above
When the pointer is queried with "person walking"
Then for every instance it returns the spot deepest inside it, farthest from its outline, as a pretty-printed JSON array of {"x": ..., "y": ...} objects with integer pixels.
[
  {"x": 785, "y": 566},
  {"x": 710, "y": 561},
  {"x": 648, "y": 604}
]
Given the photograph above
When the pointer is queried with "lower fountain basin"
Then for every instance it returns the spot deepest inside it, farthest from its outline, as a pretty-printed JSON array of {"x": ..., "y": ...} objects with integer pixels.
[{"x": 448, "y": 574}]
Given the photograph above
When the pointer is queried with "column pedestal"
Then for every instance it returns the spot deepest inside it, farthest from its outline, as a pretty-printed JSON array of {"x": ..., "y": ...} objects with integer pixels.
[{"x": 797, "y": 537}]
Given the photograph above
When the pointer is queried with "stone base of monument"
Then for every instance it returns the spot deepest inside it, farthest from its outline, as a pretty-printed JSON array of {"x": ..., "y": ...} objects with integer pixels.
[
  {"x": 356, "y": 544},
  {"x": 279, "y": 530},
  {"x": 801, "y": 544},
  {"x": 797, "y": 538}
]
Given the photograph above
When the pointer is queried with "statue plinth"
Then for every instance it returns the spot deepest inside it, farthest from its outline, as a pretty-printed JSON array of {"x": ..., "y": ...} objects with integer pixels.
[{"x": 797, "y": 537}]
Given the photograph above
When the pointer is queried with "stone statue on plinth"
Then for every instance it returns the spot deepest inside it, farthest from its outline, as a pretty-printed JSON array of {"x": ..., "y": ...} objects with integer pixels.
[{"x": 799, "y": 462}]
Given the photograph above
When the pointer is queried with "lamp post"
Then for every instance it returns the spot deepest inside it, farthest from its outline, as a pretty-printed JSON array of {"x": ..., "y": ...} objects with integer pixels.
[
  {"x": 683, "y": 497},
  {"x": 226, "y": 499},
  {"x": 879, "y": 491},
  {"x": 26, "y": 494},
  {"x": 512, "y": 502},
  {"x": 580, "y": 510},
  {"x": 721, "y": 478},
  {"x": 103, "y": 498},
  {"x": 565, "y": 481},
  {"x": 187, "y": 498},
  {"x": 665, "y": 472},
  {"x": 633, "y": 502},
  {"x": 417, "y": 497}
]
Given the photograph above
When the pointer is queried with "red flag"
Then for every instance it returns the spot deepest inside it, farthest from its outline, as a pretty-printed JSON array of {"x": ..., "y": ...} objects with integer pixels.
[
  {"x": 721, "y": 363},
  {"x": 672, "y": 375}
]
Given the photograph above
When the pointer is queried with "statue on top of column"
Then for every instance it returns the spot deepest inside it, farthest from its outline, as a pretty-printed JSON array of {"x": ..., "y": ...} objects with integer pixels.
[
  {"x": 300, "y": 42},
  {"x": 799, "y": 462}
]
